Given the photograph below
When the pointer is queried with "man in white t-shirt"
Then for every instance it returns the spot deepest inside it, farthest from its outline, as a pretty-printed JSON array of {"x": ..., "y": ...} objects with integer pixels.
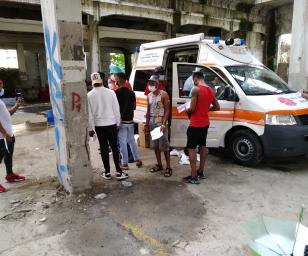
[
  {"x": 105, "y": 118},
  {"x": 7, "y": 139}
]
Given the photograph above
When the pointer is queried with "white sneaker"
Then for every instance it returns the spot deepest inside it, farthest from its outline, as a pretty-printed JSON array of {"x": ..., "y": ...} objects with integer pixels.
[
  {"x": 121, "y": 176},
  {"x": 106, "y": 175}
]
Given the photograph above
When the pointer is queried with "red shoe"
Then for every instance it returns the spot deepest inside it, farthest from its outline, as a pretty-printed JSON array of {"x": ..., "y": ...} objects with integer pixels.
[
  {"x": 2, "y": 189},
  {"x": 14, "y": 177}
]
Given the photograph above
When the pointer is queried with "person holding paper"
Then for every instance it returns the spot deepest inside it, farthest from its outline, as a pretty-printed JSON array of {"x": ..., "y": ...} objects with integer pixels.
[
  {"x": 202, "y": 101},
  {"x": 7, "y": 139},
  {"x": 157, "y": 116}
]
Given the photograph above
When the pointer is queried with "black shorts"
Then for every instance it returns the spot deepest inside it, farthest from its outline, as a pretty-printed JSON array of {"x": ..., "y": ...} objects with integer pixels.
[{"x": 196, "y": 137}]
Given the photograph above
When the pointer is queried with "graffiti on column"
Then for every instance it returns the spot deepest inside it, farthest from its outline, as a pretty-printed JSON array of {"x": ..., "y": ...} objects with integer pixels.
[
  {"x": 76, "y": 102},
  {"x": 54, "y": 71}
]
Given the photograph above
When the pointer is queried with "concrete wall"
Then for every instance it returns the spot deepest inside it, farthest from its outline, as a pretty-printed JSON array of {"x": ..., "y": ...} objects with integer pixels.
[
  {"x": 243, "y": 18},
  {"x": 298, "y": 71},
  {"x": 284, "y": 15}
]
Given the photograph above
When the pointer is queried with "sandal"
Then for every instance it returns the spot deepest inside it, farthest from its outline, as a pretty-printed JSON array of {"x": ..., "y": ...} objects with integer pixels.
[
  {"x": 139, "y": 163},
  {"x": 156, "y": 168},
  {"x": 194, "y": 181},
  {"x": 168, "y": 172},
  {"x": 201, "y": 175},
  {"x": 125, "y": 167}
]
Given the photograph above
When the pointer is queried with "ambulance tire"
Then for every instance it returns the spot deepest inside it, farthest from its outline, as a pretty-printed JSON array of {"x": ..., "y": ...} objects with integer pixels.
[{"x": 245, "y": 147}]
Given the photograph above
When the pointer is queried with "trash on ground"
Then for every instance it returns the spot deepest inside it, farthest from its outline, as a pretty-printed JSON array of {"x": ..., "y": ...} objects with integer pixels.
[
  {"x": 126, "y": 183},
  {"x": 42, "y": 219},
  {"x": 180, "y": 244},
  {"x": 100, "y": 196},
  {"x": 184, "y": 160},
  {"x": 270, "y": 236}
]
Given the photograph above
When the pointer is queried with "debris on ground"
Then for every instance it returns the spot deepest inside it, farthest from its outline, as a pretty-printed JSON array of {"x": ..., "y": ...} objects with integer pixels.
[
  {"x": 184, "y": 159},
  {"x": 144, "y": 251},
  {"x": 42, "y": 220},
  {"x": 180, "y": 244},
  {"x": 126, "y": 183},
  {"x": 100, "y": 196}
]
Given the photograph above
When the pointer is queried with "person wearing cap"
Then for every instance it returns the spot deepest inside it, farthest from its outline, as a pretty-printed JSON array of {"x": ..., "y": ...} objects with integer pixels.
[
  {"x": 157, "y": 115},
  {"x": 162, "y": 82},
  {"x": 202, "y": 101},
  {"x": 127, "y": 102},
  {"x": 105, "y": 118},
  {"x": 7, "y": 139},
  {"x": 113, "y": 70}
]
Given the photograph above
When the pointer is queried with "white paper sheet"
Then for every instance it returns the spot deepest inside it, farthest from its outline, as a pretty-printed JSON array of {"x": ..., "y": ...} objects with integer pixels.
[
  {"x": 156, "y": 133},
  {"x": 183, "y": 107}
]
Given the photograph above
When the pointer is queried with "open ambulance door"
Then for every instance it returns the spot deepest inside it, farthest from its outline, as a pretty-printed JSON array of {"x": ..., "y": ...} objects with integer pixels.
[{"x": 220, "y": 121}]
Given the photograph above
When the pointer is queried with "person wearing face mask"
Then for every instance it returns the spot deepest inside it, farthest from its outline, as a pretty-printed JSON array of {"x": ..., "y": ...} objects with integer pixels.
[
  {"x": 112, "y": 84},
  {"x": 7, "y": 139},
  {"x": 159, "y": 71},
  {"x": 157, "y": 115}
]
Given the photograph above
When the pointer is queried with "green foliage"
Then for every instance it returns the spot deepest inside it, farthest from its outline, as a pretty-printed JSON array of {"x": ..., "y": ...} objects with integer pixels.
[{"x": 118, "y": 59}]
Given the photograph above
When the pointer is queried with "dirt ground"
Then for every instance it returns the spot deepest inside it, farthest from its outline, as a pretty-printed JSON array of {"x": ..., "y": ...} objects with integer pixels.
[{"x": 153, "y": 216}]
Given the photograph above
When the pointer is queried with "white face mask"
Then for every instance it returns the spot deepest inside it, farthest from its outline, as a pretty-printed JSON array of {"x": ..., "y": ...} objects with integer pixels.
[
  {"x": 152, "y": 88},
  {"x": 112, "y": 77},
  {"x": 1, "y": 92}
]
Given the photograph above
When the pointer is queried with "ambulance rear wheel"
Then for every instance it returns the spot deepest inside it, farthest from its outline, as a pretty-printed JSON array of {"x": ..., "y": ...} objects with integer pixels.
[{"x": 245, "y": 147}]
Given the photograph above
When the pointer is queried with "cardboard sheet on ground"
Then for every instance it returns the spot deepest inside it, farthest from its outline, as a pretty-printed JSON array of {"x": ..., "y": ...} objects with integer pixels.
[
  {"x": 156, "y": 133},
  {"x": 183, "y": 107}
]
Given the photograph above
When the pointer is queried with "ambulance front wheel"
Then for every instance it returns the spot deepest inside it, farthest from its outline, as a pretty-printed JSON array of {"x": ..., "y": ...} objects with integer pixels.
[{"x": 246, "y": 147}]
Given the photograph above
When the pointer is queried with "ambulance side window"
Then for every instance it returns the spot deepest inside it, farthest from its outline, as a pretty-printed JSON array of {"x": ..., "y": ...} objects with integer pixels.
[
  {"x": 185, "y": 80},
  {"x": 186, "y": 83},
  {"x": 213, "y": 80},
  {"x": 140, "y": 80}
]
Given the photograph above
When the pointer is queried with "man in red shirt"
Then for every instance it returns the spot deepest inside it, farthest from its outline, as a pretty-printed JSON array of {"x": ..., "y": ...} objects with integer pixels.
[{"x": 202, "y": 101}]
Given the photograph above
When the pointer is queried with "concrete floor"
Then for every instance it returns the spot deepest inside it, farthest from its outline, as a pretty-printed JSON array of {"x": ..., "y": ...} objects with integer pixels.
[{"x": 146, "y": 218}]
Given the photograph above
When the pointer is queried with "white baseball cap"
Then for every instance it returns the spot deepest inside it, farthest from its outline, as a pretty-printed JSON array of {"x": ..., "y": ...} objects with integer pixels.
[{"x": 96, "y": 78}]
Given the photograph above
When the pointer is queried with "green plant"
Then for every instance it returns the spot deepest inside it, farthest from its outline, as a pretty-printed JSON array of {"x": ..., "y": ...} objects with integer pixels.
[{"x": 118, "y": 59}]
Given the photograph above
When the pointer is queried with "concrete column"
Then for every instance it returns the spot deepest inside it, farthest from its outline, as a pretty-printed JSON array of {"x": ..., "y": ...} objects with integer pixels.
[
  {"x": 21, "y": 62},
  {"x": 298, "y": 69},
  {"x": 68, "y": 94},
  {"x": 94, "y": 44},
  {"x": 255, "y": 43},
  {"x": 105, "y": 57}
]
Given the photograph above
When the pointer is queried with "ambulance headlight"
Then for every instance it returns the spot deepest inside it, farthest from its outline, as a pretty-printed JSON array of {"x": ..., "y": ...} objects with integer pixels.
[{"x": 280, "y": 120}]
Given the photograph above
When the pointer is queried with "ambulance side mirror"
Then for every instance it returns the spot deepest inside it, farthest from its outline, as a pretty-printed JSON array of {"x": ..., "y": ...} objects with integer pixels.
[{"x": 230, "y": 94}]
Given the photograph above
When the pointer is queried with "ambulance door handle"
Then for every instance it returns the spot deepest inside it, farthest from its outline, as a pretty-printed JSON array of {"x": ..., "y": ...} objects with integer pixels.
[{"x": 180, "y": 103}]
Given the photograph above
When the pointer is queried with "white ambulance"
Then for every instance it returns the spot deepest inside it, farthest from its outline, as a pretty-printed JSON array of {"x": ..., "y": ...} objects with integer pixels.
[{"x": 259, "y": 116}]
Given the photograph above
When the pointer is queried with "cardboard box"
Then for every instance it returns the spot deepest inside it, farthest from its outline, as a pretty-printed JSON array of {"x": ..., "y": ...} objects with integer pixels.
[{"x": 144, "y": 139}]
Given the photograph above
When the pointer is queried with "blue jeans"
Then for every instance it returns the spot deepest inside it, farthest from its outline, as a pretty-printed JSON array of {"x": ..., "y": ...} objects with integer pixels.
[{"x": 126, "y": 136}]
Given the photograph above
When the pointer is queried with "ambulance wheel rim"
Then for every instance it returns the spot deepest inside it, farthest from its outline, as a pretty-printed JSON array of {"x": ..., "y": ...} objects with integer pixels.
[{"x": 243, "y": 148}]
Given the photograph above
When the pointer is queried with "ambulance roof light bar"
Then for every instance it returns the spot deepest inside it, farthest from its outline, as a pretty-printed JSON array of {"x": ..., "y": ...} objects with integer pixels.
[{"x": 174, "y": 41}]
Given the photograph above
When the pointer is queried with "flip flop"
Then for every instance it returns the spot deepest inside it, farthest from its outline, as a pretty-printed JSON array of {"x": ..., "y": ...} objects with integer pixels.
[
  {"x": 156, "y": 168},
  {"x": 168, "y": 172}
]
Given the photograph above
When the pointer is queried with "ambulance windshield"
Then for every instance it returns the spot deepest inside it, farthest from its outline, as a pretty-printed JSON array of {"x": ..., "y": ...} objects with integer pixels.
[{"x": 258, "y": 80}]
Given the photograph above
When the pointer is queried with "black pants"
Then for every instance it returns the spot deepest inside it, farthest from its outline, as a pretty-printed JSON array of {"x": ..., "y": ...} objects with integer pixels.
[
  {"x": 108, "y": 135},
  {"x": 6, "y": 154}
]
